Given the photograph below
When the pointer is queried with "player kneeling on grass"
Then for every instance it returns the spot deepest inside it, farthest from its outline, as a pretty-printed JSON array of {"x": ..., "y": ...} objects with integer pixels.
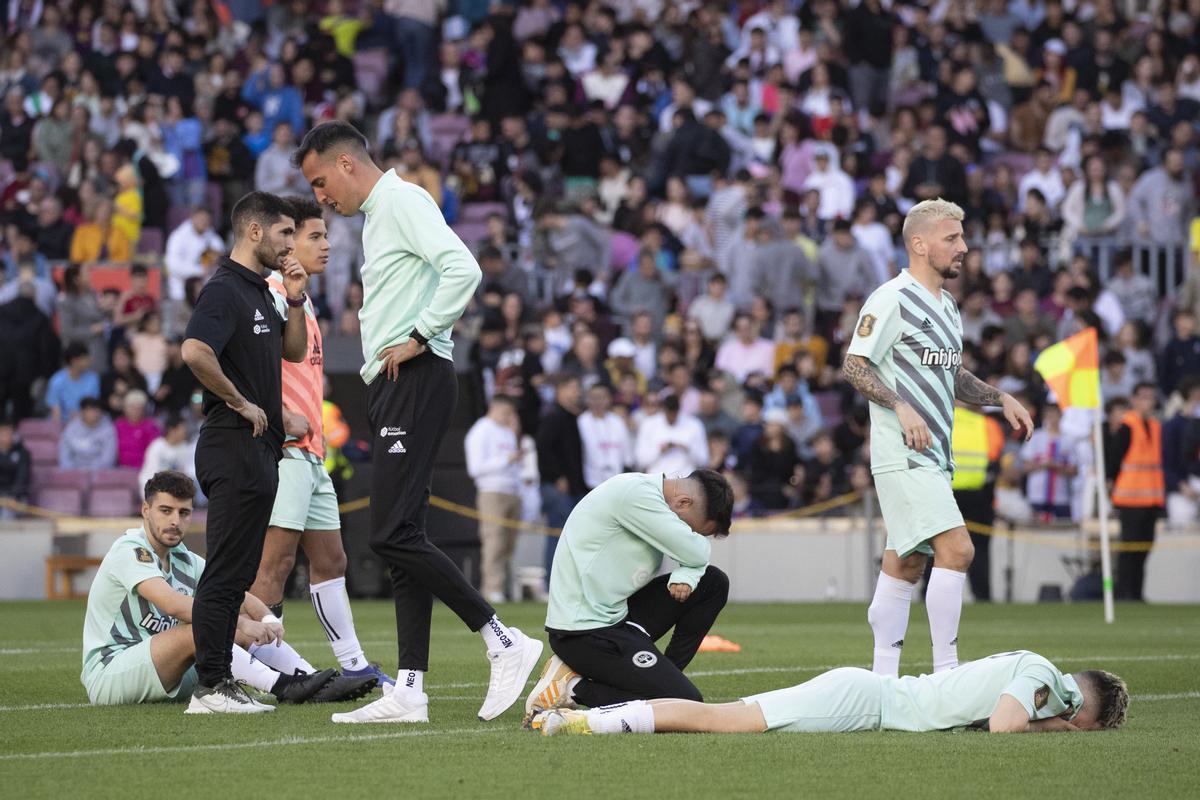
[
  {"x": 606, "y": 613},
  {"x": 137, "y": 637},
  {"x": 1017, "y": 692}
]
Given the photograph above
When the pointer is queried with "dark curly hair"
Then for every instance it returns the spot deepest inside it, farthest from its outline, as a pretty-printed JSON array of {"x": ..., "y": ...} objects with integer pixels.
[{"x": 172, "y": 482}]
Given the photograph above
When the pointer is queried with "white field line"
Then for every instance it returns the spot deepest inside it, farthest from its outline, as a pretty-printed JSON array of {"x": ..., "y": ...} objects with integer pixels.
[
  {"x": 286, "y": 741},
  {"x": 290, "y": 741},
  {"x": 706, "y": 673}
]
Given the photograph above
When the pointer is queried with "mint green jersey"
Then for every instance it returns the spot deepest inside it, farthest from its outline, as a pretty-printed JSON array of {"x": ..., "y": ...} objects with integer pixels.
[
  {"x": 117, "y": 616},
  {"x": 914, "y": 340},
  {"x": 417, "y": 273},
  {"x": 967, "y": 695},
  {"x": 612, "y": 545}
]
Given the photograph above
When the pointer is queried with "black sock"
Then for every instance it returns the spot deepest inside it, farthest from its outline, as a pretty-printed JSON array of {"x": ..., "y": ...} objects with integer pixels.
[{"x": 276, "y": 609}]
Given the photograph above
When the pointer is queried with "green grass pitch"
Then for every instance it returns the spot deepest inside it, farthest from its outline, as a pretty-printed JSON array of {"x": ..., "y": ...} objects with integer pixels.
[{"x": 52, "y": 745}]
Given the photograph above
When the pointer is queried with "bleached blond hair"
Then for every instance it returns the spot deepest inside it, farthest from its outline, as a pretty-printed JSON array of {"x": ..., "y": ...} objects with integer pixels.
[{"x": 926, "y": 212}]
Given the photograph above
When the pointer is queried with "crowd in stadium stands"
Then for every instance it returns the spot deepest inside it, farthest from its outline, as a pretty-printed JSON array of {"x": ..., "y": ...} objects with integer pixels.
[{"x": 678, "y": 208}]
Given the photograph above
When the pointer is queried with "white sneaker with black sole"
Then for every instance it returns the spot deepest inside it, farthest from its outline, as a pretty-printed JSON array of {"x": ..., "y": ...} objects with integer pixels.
[
  {"x": 227, "y": 697},
  {"x": 511, "y": 668},
  {"x": 396, "y": 705}
]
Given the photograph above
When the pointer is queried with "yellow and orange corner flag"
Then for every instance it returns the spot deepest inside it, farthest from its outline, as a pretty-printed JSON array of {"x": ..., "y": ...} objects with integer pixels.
[{"x": 1072, "y": 369}]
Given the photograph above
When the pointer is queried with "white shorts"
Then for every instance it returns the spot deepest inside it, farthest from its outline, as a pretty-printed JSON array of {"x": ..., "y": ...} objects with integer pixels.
[
  {"x": 917, "y": 505},
  {"x": 839, "y": 701},
  {"x": 305, "y": 499},
  {"x": 131, "y": 678}
]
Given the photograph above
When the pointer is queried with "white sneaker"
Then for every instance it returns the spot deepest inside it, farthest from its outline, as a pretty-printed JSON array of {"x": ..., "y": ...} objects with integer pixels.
[
  {"x": 510, "y": 670},
  {"x": 226, "y": 697},
  {"x": 396, "y": 705}
]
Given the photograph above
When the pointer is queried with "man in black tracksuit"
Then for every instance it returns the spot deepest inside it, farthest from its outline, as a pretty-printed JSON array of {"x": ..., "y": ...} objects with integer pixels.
[
  {"x": 560, "y": 460},
  {"x": 234, "y": 344}
]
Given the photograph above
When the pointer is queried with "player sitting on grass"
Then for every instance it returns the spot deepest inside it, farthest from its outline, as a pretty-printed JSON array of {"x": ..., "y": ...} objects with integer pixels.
[
  {"x": 606, "y": 612},
  {"x": 1017, "y": 692},
  {"x": 137, "y": 640}
]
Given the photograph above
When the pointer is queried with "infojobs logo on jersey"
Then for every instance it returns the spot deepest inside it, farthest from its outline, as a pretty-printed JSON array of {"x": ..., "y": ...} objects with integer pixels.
[{"x": 942, "y": 357}]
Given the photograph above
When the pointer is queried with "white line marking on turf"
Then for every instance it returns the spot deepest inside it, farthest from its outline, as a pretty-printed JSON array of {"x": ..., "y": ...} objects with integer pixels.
[
  {"x": 303, "y": 740},
  {"x": 283, "y": 742}
]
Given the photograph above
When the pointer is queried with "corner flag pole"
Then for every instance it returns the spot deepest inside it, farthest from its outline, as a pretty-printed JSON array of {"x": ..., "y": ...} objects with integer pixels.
[{"x": 1101, "y": 499}]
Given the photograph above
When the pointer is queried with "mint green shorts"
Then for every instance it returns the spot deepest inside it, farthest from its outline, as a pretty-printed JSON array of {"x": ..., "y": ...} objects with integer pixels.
[
  {"x": 917, "y": 505},
  {"x": 131, "y": 678},
  {"x": 839, "y": 701},
  {"x": 305, "y": 500}
]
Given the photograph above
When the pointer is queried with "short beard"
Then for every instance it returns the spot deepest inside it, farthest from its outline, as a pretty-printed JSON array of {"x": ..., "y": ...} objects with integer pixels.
[{"x": 267, "y": 256}]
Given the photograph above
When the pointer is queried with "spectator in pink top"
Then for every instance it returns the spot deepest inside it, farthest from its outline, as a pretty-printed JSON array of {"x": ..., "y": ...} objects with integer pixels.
[
  {"x": 745, "y": 352},
  {"x": 135, "y": 431}
]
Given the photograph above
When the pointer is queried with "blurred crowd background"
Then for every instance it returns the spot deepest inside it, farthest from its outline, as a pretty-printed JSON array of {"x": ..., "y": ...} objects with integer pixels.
[{"x": 678, "y": 208}]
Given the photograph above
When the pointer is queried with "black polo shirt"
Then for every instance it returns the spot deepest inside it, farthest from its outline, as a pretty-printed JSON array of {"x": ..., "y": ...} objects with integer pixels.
[{"x": 237, "y": 317}]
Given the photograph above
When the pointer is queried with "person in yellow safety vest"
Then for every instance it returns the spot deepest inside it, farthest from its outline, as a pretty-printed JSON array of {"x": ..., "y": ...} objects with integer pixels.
[
  {"x": 1134, "y": 462},
  {"x": 977, "y": 441},
  {"x": 337, "y": 433}
]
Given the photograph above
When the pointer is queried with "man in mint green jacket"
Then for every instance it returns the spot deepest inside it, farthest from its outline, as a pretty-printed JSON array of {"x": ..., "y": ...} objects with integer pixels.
[{"x": 606, "y": 607}]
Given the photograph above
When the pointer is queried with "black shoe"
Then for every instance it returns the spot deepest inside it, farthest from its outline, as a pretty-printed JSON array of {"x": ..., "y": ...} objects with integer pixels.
[
  {"x": 298, "y": 688},
  {"x": 345, "y": 687}
]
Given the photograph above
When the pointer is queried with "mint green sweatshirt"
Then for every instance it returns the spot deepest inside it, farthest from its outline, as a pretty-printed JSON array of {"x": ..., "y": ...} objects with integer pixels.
[
  {"x": 612, "y": 545},
  {"x": 417, "y": 272}
]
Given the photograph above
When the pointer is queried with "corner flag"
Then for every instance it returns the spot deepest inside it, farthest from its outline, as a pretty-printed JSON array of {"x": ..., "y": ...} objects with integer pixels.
[{"x": 1072, "y": 369}]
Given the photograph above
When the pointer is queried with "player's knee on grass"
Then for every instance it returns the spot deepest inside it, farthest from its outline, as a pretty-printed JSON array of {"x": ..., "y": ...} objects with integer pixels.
[{"x": 953, "y": 550}]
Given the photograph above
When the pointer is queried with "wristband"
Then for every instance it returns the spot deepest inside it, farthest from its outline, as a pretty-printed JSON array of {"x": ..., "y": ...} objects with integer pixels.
[
  {"x": 297, "y": 303},
  {"x": 268, "y": 618},
  {"x": 418, "y": 338}
]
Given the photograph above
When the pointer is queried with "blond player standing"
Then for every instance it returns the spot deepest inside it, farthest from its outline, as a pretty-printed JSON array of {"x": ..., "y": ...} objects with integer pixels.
[
  {"x": 306, "y": 506},
  {"x": 906, "y": 359}
]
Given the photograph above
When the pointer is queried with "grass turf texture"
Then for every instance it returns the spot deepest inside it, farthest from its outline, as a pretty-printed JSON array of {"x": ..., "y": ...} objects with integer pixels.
[{"x": 66, "y": 749}]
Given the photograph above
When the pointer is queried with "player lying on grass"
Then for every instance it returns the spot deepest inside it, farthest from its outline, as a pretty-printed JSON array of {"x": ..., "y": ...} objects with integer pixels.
[
  {"x": 1017, "y": 692},
  {"x": 137, "y": 640},
  {"x": 606, "y": 612}
]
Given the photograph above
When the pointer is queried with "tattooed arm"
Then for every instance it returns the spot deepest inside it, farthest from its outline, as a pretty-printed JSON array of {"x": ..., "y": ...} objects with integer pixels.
[
  {"x": 859, "y": 373},
  {"x": 970, "y": 389}
]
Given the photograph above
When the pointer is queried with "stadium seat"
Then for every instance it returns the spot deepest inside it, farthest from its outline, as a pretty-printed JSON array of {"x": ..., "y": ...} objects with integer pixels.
[
  {"x": 446, "y": 130},
  {"x": 43, "y": 452},
  {"x": 479, "y": 212},
  {"x": 470, "y": 232},
  {"x": 111, "y": 502},
  {"x": 36, "y": 428},
  {"x": 151, "y": 243},
  {"x": 115, "y": 478},
  {"x": 176, "y": 216},
  {"x": 65, "y": 479},
  {"x": 371, "y": 73},
  {"x": 214, "y": 200},
  {"x": 63, "y": 500},
  {"x": 830, "y": 404}
]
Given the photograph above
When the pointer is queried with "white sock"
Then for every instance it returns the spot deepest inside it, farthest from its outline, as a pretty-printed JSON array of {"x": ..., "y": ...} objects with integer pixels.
[
  {"x": 888, "y": 615},
  {"x": 282, "y": 658},
  {"x": 411, "y": 680},
  {"x": 943, "y": 604},
  {"x": 332, "y": 605},
  {"x": 636, "y": 716},
  {"x": 496, "y": 635},
  {"x": 252, "y": 671}
]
